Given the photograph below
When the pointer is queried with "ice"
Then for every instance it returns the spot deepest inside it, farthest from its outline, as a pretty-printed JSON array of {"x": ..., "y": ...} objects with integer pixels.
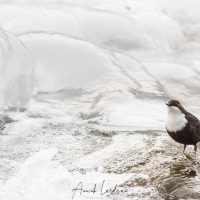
[
  {"x": 145, "y": 26},
  {"x": 130, "y": 114},
  {"x": 65, "y": 63},
  {"x": 92, "y": 78},
  {"x": 163, "y": 31},
  {"x": 16, "y": 77},
  {"x": 159, "y": 71},
  {"x": 186, "y": 13}
]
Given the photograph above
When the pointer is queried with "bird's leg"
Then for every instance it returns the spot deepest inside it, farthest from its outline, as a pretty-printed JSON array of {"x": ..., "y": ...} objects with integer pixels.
[
  {"x": 184, "y": 148},
  {"x": 195, "y": 151}
]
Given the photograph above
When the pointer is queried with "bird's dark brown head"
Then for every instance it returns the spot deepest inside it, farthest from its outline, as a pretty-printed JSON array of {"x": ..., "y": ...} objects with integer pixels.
[{"x": 174, "y": 103}]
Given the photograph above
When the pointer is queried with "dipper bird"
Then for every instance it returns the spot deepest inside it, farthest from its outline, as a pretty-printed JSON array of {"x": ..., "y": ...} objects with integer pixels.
[{"x": 182, "y": 126}]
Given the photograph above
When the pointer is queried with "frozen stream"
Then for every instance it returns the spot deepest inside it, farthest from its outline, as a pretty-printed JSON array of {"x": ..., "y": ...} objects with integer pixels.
[{"x": 83, "y": 87}]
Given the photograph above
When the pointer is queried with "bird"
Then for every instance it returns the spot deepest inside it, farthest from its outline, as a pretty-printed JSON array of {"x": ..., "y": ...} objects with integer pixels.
[{"x": 182, "y": 126}]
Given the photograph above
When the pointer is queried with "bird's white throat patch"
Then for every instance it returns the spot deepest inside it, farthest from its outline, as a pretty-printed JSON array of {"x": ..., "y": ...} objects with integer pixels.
[{"x": 176, "y": 120}]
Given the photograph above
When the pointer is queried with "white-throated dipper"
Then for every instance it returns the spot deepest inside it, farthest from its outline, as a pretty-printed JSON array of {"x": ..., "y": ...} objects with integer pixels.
[{"x": 182, "y": 126}]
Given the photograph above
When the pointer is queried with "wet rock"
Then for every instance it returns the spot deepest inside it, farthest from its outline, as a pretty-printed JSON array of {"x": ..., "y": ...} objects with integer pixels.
[{"x": 4, "y": 120}]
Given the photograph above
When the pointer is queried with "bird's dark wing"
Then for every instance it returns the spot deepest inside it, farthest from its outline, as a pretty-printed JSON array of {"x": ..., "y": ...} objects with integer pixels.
[
  {"x": 192, "y": 119},
  {"x": 193, "y": 122}
]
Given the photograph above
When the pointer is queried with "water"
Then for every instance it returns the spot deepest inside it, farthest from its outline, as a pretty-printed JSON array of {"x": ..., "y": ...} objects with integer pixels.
[{"x": 83, "y": 87}]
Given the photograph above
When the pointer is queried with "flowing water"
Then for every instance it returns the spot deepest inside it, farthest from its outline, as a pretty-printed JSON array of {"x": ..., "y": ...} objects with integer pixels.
[{"x": 83, "y": 87}]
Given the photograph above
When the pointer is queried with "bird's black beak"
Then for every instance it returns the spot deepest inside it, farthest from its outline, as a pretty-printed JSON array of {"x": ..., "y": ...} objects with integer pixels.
[{"x": 167, "y": 104}]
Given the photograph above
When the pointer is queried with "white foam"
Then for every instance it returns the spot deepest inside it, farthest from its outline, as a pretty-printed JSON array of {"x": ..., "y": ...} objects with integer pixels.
[{"x": 41, "y": 178}]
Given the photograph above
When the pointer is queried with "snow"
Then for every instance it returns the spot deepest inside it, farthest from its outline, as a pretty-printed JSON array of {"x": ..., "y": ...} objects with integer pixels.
[
  {"x": 85, "y": 83},
  {"x": 42, "y": 178}
]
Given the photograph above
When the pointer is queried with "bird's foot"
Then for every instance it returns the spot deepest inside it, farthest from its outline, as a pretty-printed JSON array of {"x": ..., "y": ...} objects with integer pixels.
[
  {"x": 188, "y": 157},
  {"x": 193, "y": 160}
]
